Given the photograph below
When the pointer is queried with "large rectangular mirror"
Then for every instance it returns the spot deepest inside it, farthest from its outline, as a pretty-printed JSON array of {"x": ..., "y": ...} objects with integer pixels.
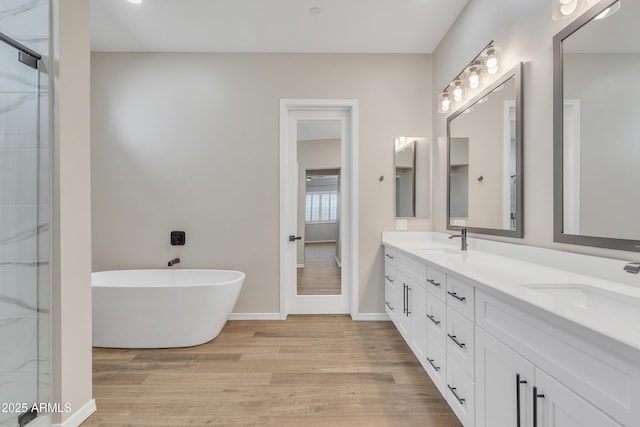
[
  {"x": 412, "y": 176},
  {"x": 596, "y": 128},
  {"x": 485, "y": 160}
]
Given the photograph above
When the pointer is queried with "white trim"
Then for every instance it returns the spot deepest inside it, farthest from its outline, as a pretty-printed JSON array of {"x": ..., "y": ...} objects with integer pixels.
[
  {"x": 338, "y": 262},
  {"x": 509, "y": 111},
  {"x": 79, "y": 416},
  {"x": 350, "y": 159},
  {"x": 300, "y": 265},
  {"x": 571, "y": 166},
  {"x": 373, "y": 317},
  {"x": 254, "y": 316},
  {"x": 41, "y": 421},
  {"x": 319, "y": 241}
]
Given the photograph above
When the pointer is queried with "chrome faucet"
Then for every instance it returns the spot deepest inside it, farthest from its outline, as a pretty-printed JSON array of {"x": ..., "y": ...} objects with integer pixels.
[
  {"x": 632, "y": 267},
  {"x": 463, "y": 238},
  {"x": 173, "y": 261}
]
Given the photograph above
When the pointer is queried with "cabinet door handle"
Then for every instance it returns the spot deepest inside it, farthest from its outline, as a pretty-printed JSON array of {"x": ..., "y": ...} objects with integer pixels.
[
  {"x": 386, "y": 276},
  {"x": 519, "y": 382},
  {"x": 459, "y": 298},
  {"x": 433, "y": 282},
  {"x": 389, "y": 256},
  {"x": 431, "y": 362},
  {"x": 408, "y": 290},
  {"x": 389, "y": 305},
  {"x": 458, "y": 343},
  {"x": 536, "y": 396},
  {"x": 404, "y": 298},
  {"x": 433, "y": 319},
  {"x": 458, "y": 398}
]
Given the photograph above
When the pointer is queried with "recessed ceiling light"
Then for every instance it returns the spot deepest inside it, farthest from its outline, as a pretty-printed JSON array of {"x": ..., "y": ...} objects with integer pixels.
[
  {"x": 315, "y": 10},
  {"x": 135, "y": 1}
]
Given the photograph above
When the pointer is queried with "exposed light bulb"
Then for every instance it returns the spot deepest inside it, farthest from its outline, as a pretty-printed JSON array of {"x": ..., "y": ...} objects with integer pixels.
[
  {"x": 445, "y": 102},
  {"x": 457, "y": 91},
  {"x": 492, "y": 70},
  {"x": 474, "y": 78},
  {"x": 567, "y": 7}
]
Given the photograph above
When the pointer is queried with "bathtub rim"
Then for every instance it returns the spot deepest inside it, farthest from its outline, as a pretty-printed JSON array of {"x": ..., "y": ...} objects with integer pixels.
[{"x": 240, "y": 278}]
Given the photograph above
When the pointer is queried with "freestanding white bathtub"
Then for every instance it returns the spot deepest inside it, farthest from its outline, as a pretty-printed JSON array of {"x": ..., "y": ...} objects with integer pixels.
[{"x": 161, "y": 308}]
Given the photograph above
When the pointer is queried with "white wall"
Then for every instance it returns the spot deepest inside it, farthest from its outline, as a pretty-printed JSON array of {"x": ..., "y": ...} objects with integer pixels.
[
  {"x": 524, "y": 29},
  {"x": 71, "y": 220},
  {"x": 174, "y": 137}
]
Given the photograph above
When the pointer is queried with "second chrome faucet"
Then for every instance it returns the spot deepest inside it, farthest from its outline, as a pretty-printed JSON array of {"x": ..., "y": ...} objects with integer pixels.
[{"x": 463, "y": 238}]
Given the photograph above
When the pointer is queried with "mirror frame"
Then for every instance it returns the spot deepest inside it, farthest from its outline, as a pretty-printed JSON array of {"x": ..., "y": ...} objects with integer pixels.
[
  {"x": 519, "y": 231},
  {"x": 558, "y": 151}
]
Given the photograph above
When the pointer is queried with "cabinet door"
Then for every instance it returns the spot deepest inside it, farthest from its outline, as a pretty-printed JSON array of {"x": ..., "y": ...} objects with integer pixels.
[
  {"x": 418, "y": 304},
  {"x": 504, "y": 381},
  {"x": 403, "y": 311},
  {"x": 390, "y": 294},
  {"x": 558, "y": 406}
]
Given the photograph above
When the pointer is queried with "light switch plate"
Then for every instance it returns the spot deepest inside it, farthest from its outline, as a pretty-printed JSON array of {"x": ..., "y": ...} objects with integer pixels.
[{"x": 401, "y": 224}]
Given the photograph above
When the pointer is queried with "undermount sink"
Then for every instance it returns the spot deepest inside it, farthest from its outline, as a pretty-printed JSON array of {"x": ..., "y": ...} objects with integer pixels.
[
  {"x": 596, "y": 301},
  {"x": 442, "y": 251}
]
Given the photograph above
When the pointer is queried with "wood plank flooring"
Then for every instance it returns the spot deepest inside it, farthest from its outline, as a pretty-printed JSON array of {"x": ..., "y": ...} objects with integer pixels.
[
  {"x": 321, "y": 274},
  {"x": 305, "y": 371}
]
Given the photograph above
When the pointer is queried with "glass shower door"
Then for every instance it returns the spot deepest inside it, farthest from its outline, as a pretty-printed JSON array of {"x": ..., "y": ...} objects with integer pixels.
[{"x": 19, "y": 260}]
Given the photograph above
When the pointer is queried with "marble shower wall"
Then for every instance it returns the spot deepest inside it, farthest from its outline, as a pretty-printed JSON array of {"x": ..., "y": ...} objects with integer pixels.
[{"x": 24, "y": 208}]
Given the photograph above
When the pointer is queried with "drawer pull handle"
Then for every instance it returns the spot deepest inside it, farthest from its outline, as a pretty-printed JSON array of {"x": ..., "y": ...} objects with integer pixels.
[
  {"x": 389, "y": 305},
  {"x": 433, "y": 319},
  {"x": 458, "y": 343},
  {"x": 437, "y": 368},
  {"x": 389, "y": 256},
  {"x": 458, "y": 398},
  {"x": 536, "y": 396},
  {"x": 386, "y": 276},
  {"x": 433, "y": 282},
  {"x": 408, "y": 290},
  {"x": 459, "y": 298}
]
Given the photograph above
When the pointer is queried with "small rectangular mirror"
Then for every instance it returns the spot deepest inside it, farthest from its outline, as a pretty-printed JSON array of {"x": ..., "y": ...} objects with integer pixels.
[
  {"x": 412, "y": 176},
  {"x": 485, "y": 160}
]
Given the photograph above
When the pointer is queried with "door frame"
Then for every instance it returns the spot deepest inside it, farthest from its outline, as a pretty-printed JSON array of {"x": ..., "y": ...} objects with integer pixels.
[{"x": 349, "y": 170}]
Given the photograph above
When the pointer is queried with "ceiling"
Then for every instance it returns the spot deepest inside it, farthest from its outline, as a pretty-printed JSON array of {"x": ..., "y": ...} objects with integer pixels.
[{"x": 341, "y": 26}]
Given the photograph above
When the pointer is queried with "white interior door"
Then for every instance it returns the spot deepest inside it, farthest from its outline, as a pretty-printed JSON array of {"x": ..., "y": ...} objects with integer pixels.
[{"x": 292, "y": 236}]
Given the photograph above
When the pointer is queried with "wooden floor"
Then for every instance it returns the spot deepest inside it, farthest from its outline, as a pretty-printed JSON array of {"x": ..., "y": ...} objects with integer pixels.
[
  {"x": 305, "y": 371},
  {"x": 321, "y": 274}
]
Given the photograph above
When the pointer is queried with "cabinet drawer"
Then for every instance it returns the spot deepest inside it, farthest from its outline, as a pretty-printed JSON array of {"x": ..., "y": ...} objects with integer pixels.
[
  {"x": 390, "y": 294},
  {"x": 460, "y": 296},
  {"x": 435, "y": 365},
  {"x": 460, "y": 341},
  {"x": 437, "y": 320},
  {"x": 416, "y": 270},
  {"x": 436, "y": 283},
  {"x": 390, "y": 273},
  {"x": 460, "y": 394},
  {"x": 390, "y": 256}
]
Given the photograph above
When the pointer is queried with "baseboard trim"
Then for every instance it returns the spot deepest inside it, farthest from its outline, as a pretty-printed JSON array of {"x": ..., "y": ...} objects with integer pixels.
[
  {"x": 320, "y": 241},
  {"x": 79, "y": 416},
  {"x": 372, "y": 317},
  {"x": 41, "y": 421},
  {"x": 300, "y": 265},
  {"x": 254, "y": 316}
]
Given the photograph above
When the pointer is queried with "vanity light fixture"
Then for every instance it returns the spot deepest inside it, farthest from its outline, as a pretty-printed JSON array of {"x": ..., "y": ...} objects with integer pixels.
[
  {"x": 474, "y": 74},
  {"x": 485, "y": 62},
  {"x": 609, "y": 11},
  {"x": 491, "y": 59},
  {"x": 444, "y": 102},
  {"x": 458, "y": 90}
]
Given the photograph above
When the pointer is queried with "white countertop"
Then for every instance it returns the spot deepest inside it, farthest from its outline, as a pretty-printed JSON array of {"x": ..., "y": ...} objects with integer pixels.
[{"x": 509, "y": 276}]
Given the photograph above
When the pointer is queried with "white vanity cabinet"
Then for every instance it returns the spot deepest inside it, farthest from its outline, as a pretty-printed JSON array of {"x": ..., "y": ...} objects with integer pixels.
[
  {"x": 390, "y": 287},
  {"x": 554, "y": 379}
]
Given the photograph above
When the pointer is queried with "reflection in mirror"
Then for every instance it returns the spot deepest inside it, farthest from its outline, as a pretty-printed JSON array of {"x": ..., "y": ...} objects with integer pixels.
[
  {"x": 596, "y": 128},
  {"x": 319, "y": 160},
  {"x": 485, "y": 152},
  {"x": 412, "y": 176},
  {"x": 405, "y": 162}
]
